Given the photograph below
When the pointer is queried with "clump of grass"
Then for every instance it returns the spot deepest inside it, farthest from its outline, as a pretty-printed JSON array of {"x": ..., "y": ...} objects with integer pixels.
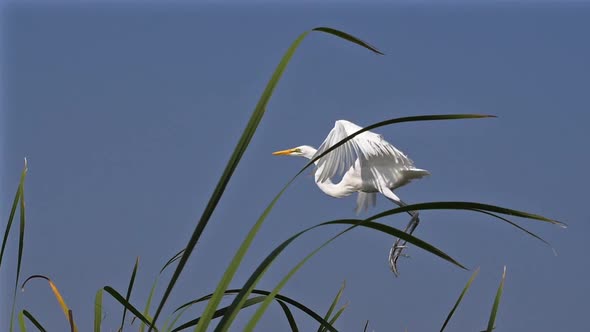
[{"x": 248, "y": 294}]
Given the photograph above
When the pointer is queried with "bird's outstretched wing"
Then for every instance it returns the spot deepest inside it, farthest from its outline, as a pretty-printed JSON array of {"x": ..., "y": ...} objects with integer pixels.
[{"x": 381, "y": 163}]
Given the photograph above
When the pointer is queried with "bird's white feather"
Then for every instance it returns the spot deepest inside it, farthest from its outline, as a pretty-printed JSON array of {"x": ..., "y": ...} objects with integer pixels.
[
  {"x": 364, "y": 201},
  {"x": 381, "y": 164}
]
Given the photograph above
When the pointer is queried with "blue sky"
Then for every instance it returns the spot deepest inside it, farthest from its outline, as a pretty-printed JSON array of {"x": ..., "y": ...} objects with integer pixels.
[{"x": 128, "y": 114}]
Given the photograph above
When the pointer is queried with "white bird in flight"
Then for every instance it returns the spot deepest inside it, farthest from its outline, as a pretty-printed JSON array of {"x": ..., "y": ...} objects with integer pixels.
[{"x": 370, "y": 165}]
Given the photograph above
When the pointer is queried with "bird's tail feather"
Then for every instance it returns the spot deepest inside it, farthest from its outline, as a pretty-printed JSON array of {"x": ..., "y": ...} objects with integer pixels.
[{"x": 416, "y": 173}]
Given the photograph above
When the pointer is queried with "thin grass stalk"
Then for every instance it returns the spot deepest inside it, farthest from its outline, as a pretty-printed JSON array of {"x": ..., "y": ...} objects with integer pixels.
[
  {"x": 355, "y": 223},
  {"x": 494, "y": 313},
  {"x": 129, "y": 290},
  {"x": 71, "y": 321},
  {"x": 219, "y": 313},
  {"x": 114, "y": 294},
  {"x": 259, "y": 272},
  {"x": 463, "y": 292},
  {"x": 21, "y": 322},
  {"x": 279, "y": 297},
  {"x": 289, "y": 316},
  {"x": 434, "y": 205},
  {"x": 98, "y": 310},
  {"x": 225, "y": 177},
  {"x": 146, "y": 310},
  {"x": 332, "y": 306},
  {"x": 19, "y": 198},
  {"x": 232, "y": 311},
  {"x": 256, "y": 117},
  {"x": 13, "y": 211},
  {"x": 337, "y": 315}
]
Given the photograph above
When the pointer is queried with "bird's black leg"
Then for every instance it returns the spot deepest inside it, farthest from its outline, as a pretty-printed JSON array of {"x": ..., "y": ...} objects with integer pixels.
[{"x": 400, "y": 245}]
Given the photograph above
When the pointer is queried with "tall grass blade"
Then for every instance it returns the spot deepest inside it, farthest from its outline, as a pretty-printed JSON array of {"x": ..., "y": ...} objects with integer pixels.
[
  {"x": 459, "y": 299},
  {"x": 355, "y": 223},
  {"x": 98, "y": 310},
  {"x": 18, "y": 199},
  {"x": 243, "y": 143},
  {"x": 34, "y": 321},
  {"x": 71, "y": 320},
  {"x": 232, "y": 312},
  {"x": 128, "y": 305},
  {"x": 146, "y": 310},
  {"x": 227, "y": 173},
  {"x": 21, "y": 322},
  {"x": 289, "y": 316},
  {"x": 64, "y": 307},
  {"x": 337, "y": 315},
  {"x": 219, "y": 313},
  {"x": 174, "y": 258},
  {"x": 279, "y": 297},
  {"x": 348, "y": 37},
  {"x": 519, "y": 227},
  {"x": 168, "y": 327},
  {"x": 398, "y": 234},
  {"x": 259, "y": 272},
  {"x": 494, "y": 312},
  {"x": 436, "y": 117},
  {"x": 129, "y": 290},
  {"x": 477, "y": 207},
  {"x": 333, "y": 305},
  {"x": 13, "y": 211}
]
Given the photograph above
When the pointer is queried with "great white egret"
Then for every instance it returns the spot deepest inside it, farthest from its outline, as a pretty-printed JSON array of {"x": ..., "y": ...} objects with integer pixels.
[{"x": 370, "y": 165}]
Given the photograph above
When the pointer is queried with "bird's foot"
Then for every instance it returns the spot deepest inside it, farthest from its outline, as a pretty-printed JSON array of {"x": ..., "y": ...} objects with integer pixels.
[{"x": 394, "y": 254}]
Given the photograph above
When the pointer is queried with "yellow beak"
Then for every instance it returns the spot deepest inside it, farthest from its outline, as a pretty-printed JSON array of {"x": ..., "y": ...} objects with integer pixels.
[{"x": 283, "y": 152}]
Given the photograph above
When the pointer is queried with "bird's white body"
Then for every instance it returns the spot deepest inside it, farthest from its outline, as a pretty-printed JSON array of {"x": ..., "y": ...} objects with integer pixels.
[{"x": 368, "y": 164}]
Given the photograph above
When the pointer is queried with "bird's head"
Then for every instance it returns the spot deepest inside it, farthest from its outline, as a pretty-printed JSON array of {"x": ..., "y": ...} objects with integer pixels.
[{"x": 305, "y": 151}]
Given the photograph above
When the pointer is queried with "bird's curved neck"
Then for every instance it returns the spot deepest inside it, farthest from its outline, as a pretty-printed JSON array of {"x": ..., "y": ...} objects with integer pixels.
[
  {"x": 328, "y": 187},
  {"x": 337, "y": 190}
]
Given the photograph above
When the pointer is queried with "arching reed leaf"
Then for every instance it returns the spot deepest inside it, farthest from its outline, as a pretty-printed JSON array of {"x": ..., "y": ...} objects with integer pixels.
[
  {"x": 436, "y": 117},
  {"x": 232, "y": 164},
  {"x": 33, "y": 320},
  {"x": 289, "y": 315},
  {"x": 459, "y": 300},
  {"x": 64, "y": 307},
  {"x": 494, "y": 312},
  {"x": 278, "y": 297},
  {"x": 355, "y": 223},
  {"x": 348, "y": 37},
  {"x": 226, "y": 321},
  {"x": 478, "y": 207},
  {"x": 519, "y": 227},
  {"x": 219, "y": 312},
  {"x": 228, "y": 171},
  {"x": 223, "y": 325},
  {"x": 172, "y": 260},
  {"x": 128, "y": 305}
]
